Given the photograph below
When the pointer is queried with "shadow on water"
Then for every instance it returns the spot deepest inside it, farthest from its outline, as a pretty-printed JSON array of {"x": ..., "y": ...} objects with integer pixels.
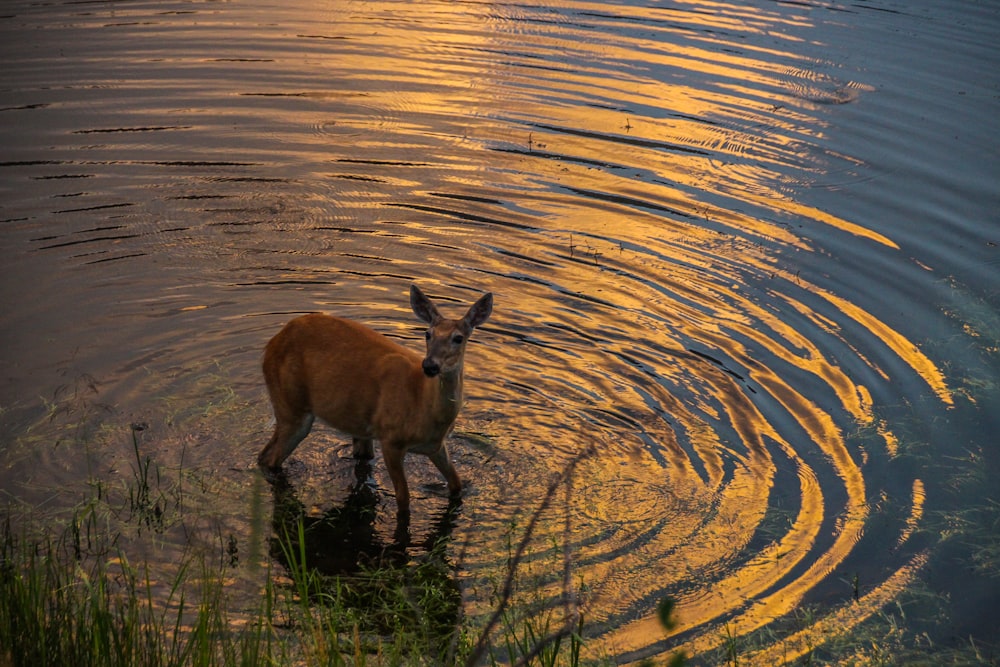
[{"x": 386, "y": 583}]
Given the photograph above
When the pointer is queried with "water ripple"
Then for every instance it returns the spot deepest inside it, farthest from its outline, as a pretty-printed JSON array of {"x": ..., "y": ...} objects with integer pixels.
[{"x": 703, "y": 302}]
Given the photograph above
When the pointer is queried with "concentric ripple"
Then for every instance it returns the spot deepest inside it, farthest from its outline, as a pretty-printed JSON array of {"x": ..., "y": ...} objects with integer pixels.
[{"x": 696, "y": 311}]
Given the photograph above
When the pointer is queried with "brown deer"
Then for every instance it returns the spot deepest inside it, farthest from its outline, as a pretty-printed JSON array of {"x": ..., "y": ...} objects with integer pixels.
[{"x": 367, "y": 386}]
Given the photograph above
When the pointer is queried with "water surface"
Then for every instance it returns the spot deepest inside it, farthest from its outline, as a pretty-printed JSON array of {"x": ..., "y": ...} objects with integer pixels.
[{"x": 744, "y": 259}]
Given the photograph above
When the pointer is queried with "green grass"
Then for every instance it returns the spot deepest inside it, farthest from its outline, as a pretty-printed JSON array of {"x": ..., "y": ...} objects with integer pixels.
[
  {"x": 75, "y": 598},
  {"x": 56, "y": 609},
  {"x": 61, "y": 607}
]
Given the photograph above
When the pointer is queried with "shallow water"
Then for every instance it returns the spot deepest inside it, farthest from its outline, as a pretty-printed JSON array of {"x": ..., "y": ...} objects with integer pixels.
[{"x": 744, "y": 261}]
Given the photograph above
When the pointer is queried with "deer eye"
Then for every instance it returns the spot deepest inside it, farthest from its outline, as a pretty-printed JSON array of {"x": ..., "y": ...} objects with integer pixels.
[
  {"x": 427, "y": 334},
  {"x": 457, "y": 339}
]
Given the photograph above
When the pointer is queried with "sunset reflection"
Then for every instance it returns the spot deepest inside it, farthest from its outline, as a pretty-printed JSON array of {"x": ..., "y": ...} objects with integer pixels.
[{"x": 672, "y": 315}]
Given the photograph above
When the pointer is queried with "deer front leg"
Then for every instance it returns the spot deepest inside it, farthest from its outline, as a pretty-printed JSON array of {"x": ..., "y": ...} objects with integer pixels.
[{"x": 442, "y": 461}]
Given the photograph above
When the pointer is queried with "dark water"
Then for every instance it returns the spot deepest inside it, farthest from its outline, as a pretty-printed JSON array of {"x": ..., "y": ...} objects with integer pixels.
[{"x": 746, "y": 254}]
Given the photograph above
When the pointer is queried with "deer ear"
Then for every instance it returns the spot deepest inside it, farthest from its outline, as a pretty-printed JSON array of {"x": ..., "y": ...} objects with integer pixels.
[
  {"x": 422, "y": 306},
  {"x": 480, "y": 310}
]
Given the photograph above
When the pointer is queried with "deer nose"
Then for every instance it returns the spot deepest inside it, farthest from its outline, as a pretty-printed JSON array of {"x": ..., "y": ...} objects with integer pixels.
[{"x": 431, "y": 368}]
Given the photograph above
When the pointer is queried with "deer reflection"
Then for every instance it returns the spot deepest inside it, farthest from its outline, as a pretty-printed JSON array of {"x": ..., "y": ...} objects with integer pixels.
[{"x": 361, "y": 567}]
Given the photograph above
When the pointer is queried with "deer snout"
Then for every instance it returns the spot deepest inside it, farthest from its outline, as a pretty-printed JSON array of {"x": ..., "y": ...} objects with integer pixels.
[{"x": 431, "y": 367}]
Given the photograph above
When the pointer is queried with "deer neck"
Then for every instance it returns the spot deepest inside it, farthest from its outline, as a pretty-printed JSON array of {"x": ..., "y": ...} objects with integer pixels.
[{"x": 448, "y": 395}]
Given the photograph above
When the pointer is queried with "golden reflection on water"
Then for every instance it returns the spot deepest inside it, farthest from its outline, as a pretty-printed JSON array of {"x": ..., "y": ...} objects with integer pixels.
[
  {"x": 628, "y": 195},
  {"x": 652, "y": 192},
  {"x": 661, "y": 221}
]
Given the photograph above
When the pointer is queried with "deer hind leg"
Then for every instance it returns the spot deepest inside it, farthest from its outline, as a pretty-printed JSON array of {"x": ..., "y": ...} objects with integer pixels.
[
  {"x": 394, "y": 464},
  {"x": 288, "y": 433},
  {"x": 293, "y": 417},
  {"x": 363, "y": 448}
]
